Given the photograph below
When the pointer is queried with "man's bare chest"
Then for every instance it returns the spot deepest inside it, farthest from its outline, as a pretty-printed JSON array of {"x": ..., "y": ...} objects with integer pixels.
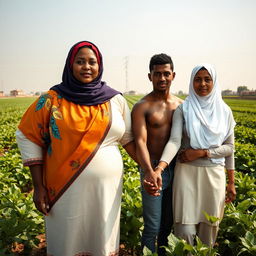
[{"x": 157, "y": 118}]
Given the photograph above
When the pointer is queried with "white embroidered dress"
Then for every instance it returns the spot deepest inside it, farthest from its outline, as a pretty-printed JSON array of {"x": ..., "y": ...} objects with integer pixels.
[{"x": 86, "y": 218}]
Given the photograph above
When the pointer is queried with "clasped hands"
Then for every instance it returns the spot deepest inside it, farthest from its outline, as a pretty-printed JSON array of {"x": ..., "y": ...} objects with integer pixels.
[{"x": 152, "y": 182}]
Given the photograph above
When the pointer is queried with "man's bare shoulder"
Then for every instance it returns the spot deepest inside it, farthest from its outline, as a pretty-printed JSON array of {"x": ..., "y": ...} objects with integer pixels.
[
  {"x": 175, "y": 100},
  {"x": 144, "y": 102}
]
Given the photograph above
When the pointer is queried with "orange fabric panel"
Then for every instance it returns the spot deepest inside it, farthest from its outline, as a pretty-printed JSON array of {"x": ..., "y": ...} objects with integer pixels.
[{"x": 70, "y": 135}]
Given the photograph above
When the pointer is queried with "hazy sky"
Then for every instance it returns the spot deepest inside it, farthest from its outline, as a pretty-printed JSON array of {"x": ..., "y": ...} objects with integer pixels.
[{"x": 36, "y": 36}]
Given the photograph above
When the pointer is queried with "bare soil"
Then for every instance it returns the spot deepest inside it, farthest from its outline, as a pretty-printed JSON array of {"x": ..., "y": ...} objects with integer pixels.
[{"x": 41, "y": 250}]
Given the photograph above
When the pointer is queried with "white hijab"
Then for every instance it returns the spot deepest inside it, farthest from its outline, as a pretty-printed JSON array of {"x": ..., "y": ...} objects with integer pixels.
[{"x": 209, "y": 121}]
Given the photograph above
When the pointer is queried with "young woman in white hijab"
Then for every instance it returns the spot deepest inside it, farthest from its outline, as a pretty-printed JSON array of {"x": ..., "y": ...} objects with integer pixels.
[{"x": 203, "y": 133}]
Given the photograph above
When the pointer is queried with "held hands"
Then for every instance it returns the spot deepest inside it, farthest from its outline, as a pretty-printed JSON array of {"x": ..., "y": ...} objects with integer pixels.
[
  {"x": 41, "y": 201},
  {"x": 230, "y": 193},
  {"x": 153, "y": 182}
]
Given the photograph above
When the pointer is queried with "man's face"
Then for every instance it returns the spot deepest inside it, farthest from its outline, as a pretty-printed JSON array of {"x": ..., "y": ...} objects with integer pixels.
[{"x": 161, "y": 77}]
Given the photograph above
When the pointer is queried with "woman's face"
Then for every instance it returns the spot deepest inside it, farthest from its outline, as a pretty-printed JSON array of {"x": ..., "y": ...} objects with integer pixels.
[
  {"x": 203, "y": 83},
  {"x": 85, "y": 66}
]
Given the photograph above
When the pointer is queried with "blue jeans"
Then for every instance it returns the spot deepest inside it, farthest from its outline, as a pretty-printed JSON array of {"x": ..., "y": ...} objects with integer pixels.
[{"x": 157, "y": 212}]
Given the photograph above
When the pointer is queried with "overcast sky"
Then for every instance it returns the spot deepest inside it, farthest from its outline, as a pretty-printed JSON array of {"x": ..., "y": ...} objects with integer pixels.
[{"x": 36, "y": 36}]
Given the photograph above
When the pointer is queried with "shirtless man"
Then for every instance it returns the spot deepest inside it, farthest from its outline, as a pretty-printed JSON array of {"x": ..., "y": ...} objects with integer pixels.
[{"x": 152, "y": 121}]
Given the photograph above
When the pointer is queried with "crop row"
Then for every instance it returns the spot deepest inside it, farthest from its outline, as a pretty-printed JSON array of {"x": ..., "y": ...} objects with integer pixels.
[
  {"x": 242, "y": 106},
  {"x": 245, "y": 119},
  {"x": 17, "y": 209},
  {"x": 132, "y": 99}
]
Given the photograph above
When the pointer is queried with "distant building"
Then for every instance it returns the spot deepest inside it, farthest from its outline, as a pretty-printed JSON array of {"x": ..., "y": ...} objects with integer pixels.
[
  {"x": 227, "y": 92},
  {"x": 1, "y": 93},
  {"x": 16, "y": 93},
  {"x": 248, "y": 93}
]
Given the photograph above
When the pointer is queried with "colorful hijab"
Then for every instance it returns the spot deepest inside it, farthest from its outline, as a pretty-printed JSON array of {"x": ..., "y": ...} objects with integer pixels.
[
  {"x": 209, "y": 121},
  {"x": 96, "y": 92}
]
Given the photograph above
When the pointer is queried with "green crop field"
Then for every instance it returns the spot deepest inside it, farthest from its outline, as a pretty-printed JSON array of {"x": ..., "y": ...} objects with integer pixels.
[{"x": 21, "y": 225}]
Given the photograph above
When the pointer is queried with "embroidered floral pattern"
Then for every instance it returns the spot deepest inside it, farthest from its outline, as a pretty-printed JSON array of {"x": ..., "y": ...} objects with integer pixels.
[
  {"x": 74, "y": 164},
  {"x": 54, "y": 128},
  {"x": 48, "y": 104},
  {"x": 45, "y": 100},
  {"x": 49, "y": 150},
  {"x": 56, "y": 113},
  {"x": 116, "y": 253},
  {"x": 42, "y": 100}
]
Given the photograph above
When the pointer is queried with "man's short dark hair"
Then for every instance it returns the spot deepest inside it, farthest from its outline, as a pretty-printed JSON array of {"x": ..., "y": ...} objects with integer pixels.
[{"x": 160, "y": 59}]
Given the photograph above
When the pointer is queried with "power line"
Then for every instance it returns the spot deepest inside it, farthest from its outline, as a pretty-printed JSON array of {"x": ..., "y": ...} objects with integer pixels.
[{"x": 126, "y": 59}]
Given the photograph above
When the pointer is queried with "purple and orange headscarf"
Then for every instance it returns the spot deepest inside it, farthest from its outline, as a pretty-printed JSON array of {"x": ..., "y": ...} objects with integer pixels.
[{"x": 93, "y": 93}]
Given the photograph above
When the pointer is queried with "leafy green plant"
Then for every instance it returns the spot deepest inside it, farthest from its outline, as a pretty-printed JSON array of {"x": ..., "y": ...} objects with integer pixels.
[
  {"x": 245, "y": 158},
  {"x": 249, "y": 244},
  {"x": 131, "y": 210},
  {"x": 13, "y": 171},
  {"x": 245, "y": 119},
  {"x": 237, "y": 229},
  {"x": 179, "y": 247},
  {"x": 245, "y": 187},
  {"x": 20, "y": 222},
  {"x": 239, "y": 216},
  {"x": 245, "y": 134}
]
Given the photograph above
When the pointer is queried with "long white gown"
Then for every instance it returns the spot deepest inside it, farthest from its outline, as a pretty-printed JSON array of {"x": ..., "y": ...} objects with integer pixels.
[{"x": 86, "y": 218}]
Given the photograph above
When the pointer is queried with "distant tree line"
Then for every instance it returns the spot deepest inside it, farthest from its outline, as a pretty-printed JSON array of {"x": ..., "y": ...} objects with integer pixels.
[{"x": 241, "y": 91}]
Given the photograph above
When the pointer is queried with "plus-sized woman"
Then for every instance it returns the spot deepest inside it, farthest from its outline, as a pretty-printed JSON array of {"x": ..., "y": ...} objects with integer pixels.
[{"x": 69, "y": 138}]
